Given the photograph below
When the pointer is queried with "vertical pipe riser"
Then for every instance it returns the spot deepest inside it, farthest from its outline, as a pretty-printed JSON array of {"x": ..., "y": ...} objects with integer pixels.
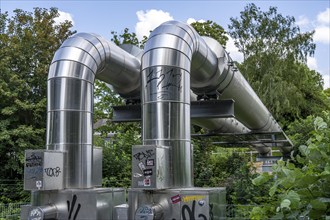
[
  {"x": 166, "y": 66},
  {"x": 70, "y": 122},
  {"x": 166, "y": 117},
  {"x": 75, "y": 65}
]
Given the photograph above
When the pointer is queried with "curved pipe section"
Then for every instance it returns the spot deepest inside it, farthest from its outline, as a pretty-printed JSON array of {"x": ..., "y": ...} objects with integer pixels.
[
  {"x": 174, "y": 56},
  {"x": 75, "y": 65},
  {"x": 249, "y": 109},
  {"x": 232, "y": 85},
  {"x": 165, "y": 71},
  {"x": 175, "y": 59}
]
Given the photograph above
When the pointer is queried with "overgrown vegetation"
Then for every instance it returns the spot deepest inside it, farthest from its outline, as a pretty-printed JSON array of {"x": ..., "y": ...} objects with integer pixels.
[{"x": 300, "y": 187}]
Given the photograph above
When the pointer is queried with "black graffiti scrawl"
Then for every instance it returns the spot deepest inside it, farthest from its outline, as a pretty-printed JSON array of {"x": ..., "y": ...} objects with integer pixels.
[
  {"x": 71, "y": 207},
  {"x": 191, "y": 212}
]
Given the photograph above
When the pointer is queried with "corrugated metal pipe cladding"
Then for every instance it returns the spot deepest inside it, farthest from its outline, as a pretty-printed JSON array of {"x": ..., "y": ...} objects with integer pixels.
[{"x": 75, "y": 65}]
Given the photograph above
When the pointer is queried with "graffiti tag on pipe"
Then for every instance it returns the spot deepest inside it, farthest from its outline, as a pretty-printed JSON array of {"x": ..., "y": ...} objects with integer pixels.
[
  {"x": 144, "y": 154},
  {"x": 53, "y": 172},
  {"x": 165, "y": 78},
  {"x": 33, "y": 161},
  {"x": 71, "y": 206}
]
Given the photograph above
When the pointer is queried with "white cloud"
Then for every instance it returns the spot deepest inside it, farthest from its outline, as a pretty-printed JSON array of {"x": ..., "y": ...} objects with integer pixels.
[
  {"x": 312, "y": 63},
  {"x": 64, "y": 16},
  {"x": 320, "y": 24},
  {"x": 326, "y": 79},
  {"x": 192, "y": 20},
  {"x": 303, "y": 21},
  {"x": 322, "y": 29},
  {"x": 233, "y": 50},
  {"x": 322, "y": 34},
  {"x": 149, "y": 20},
  {"x": 324, "y": 17}
]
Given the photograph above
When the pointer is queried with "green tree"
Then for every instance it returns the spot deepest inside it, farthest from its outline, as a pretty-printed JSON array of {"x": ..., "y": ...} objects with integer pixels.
[
  {"x": 28, "y": 42},
  {"x": 257, "y": 32},
  {"x": 327, "y": 92},
  {"x": 127, "y": 37},
  {"x": 275, "y": 53},
  {"x": 211, "y": 29},
  {"x": 203, "y": 166},
  {"x": 302, "y": 185},
  {"x": 116, "y": 139}
]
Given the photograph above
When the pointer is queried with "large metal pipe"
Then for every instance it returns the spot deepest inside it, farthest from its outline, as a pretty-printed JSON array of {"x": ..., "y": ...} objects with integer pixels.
[
  {"x": 231, "y": 84},
  {"x": 219, "y": 125},
  {"x": 75, "y": 65},
  {"x": 227, "y": 125},
  {"x": 172, "y": 52},
  {"x": 249, "y": 110},
  {"x": 174, "y": 55}
]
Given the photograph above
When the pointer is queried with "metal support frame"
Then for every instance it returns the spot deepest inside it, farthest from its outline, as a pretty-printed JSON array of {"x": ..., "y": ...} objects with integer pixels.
[
  {"x": 199, "y": 109},
  {"x": 250, "y": 139}
]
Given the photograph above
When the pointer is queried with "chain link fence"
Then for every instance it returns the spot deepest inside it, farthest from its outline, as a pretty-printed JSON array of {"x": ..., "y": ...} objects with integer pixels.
[
  {"x": 238, "y": 211},
  {"x": 10, "y": 211}
]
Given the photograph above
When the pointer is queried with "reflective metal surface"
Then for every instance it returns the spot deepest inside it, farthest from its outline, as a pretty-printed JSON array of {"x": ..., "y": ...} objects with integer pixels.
[
  {"x": 165, "y": 68},
  {"x": 150, "y": 167},
  {"x": 219, "y": 125},
  {"x": 75, "y": 65},
  {"x": 180, "y": 203},
  {"x": 82, "y": 204},
  {"x": 250, "y": 112},
  {"x": 248, "y": 107},
  {"x": 175, "y": 55}
]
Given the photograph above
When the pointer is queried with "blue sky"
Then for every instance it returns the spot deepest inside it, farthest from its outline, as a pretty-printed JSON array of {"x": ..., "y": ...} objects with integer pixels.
[{"x": 102, "y": 17}]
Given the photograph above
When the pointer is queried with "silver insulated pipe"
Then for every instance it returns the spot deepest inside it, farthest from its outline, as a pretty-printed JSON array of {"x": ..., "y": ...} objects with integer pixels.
[
  {"x": 172, "y": 52},
  {"x": 230, "y": 84},
  {"x": 176, "y": 59},
  {"x": 75, "y": 65}
]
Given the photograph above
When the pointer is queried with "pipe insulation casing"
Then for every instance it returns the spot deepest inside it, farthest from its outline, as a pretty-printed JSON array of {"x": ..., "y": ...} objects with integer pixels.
[
  {"x": 232, "y": 85},
  {"x": 75, "y": 65},
  {"x": 172, "y": 51}
]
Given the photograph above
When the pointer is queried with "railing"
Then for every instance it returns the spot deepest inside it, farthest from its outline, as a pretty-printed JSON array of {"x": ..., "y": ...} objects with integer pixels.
[
  {"x": 10, "y": 211},
  {"x": 238, "y": 211}
]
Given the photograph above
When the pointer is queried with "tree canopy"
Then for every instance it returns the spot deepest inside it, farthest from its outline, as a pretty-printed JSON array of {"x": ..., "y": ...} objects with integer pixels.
[
  {"x": 269, "y": 32},
  {"x": 211, "y": 29},
  {"x": 127, "y": 37},
  {"x": 28, "y": 41},
  {"x": 275, "y": 54}
]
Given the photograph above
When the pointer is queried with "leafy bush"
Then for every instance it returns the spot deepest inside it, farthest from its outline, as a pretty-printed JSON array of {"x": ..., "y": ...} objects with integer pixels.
[{"x": 301, "y": 186}]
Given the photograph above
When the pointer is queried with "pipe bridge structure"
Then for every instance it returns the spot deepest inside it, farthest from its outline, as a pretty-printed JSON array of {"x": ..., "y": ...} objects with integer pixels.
[{"x": 179, "y": 79}]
